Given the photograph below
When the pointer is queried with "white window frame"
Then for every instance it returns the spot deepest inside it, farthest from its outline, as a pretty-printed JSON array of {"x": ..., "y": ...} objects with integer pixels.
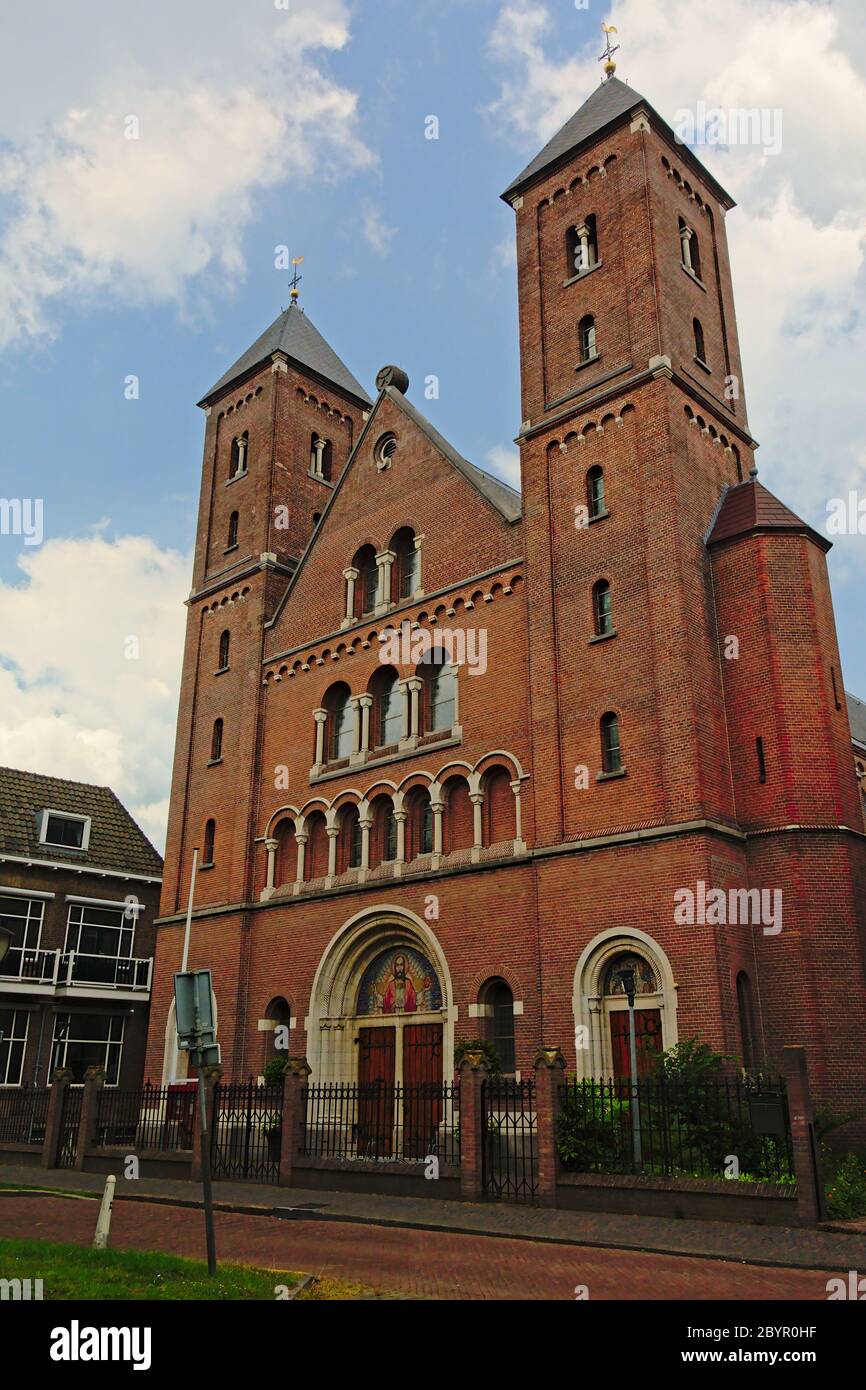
[
  {"x": 104, "y": 1042},
  {"x": 85, "y": 821},
  {"x": 15, "y": 1038}
]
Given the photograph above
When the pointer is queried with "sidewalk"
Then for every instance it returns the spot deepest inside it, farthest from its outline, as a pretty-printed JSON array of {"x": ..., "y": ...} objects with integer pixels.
[{"x": 807, "y": 1248}]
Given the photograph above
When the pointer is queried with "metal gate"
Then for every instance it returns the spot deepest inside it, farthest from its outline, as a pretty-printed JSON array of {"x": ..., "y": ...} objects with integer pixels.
[
  {"x": 69, "y": 1121},
  {"x": 509, "y": 1162},
  {"x": 247, "y": 1131}
]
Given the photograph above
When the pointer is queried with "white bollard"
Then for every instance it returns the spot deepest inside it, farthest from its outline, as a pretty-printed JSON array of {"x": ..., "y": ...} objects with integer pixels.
[{"x": 100, "y": 1240}]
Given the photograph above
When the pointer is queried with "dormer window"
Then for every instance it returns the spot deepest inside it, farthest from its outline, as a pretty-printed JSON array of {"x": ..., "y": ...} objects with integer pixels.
[{"x": 64, "y": 830}]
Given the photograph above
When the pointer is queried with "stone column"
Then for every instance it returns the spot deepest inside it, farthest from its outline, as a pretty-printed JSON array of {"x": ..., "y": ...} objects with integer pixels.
[
  {"x": 519, "y": 845},
  {"x": 301, "y": 841},
  {"x": 811, "y": 1205},
  {"x": 583, "y": 237},
  {"x": 294, "y": 1116},
  {"x": 94, "y": 1081},
  {"x": 419, "y": 585},
  {"x": 477, "y": 799},
  {"x": 357, "y": 735},
  {"x": 365, "y": 820},
  {"x": 437, "y": 806},
  {"x": 321, "y": 718},
  {"x": 549, "y": 1069},
  {"x": 242, "y": 454},
  {"x": 351, "y": 577},
  {"x": 401, "y": 818},
  {"x": 385, "y": 561},
  {"x": 60, "y": 1083},
  {"x": 685, "y": 241},
  {"x": 415, "y": 685},
  {"x": 366, "y": 703},
  {"x": 271, "y": 846},
  {"x": 320, "y": 450},
  {"x": 333, "y": 834},
  {"x": 473, "y": 1074},
  {"x": 405, "y": 740}
]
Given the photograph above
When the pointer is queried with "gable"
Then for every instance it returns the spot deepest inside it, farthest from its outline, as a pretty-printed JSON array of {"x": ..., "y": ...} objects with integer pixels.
[{"x": 468, "y": 520}]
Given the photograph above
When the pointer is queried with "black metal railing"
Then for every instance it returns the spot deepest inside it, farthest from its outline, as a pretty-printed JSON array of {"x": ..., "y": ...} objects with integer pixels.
[
  {"x": 150, "y": 1117},
  {"x": 725, "y": 1127},
  {"x": 509, "y": 1155},
  {"x": 69, "y": 1122},
  {"x": 374, "y": 1120},
  {"x": 247, "y": 1131},
  {"x": 23, "y": 1113}
]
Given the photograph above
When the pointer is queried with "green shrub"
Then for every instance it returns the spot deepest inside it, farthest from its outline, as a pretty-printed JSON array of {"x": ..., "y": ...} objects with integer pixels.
[
  {"x": 593, "y": 1133},
  {"x": 464, "y": 1045},
  {"x": 846, "y": 1188},
  {"x": 273, "y": 1071}
]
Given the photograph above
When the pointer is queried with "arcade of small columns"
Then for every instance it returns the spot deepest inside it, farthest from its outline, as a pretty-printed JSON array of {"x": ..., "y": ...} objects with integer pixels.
[
  {"x": 410, "y": 690},
  {"x": 385, "y": 562},
  {"x": 333, "y": 829}
]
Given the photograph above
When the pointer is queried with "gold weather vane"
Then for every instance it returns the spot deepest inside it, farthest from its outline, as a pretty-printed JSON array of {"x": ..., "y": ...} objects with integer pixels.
[
  {"x": 296, "y": 278},
  {"x": 610, "y": 65}
]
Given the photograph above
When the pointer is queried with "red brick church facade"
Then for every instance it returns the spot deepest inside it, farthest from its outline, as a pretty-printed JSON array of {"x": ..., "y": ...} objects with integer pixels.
[{"x": 640, "y": 750}]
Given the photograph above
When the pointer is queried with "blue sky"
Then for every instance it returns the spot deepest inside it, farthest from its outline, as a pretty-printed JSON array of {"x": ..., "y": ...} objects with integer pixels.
[{"x": 260, "y": 127}]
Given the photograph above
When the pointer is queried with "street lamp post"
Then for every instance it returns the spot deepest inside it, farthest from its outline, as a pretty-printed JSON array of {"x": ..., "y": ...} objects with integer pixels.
[{"x": 626, "y": 979}]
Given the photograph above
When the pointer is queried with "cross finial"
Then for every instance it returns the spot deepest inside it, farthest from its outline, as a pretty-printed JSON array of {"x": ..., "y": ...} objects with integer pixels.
[
  {"x": 609, "y": 65},
  {"x": 296, "y": 278}
]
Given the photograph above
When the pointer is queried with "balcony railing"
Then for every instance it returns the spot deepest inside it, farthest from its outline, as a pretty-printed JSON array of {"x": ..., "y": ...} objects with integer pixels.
[{"x": 66, "y": 969}]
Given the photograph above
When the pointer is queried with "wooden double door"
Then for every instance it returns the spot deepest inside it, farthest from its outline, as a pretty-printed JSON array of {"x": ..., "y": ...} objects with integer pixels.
[
  {"x": 648, "y": 1041},
  {"x": 399, "y": 1090}
]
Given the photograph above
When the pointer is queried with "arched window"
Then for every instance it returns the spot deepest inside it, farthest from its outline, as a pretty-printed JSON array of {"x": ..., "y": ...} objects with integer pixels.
[
  {"x": 440, "y": 693},
  {"x": 690, "y": 251},
  {"x": 602, "y": 609},
  {"x": 498, "y": 818},
  {"x": 207, "y": 854},
  {"x": 234, "y": 521},
  {"x": 459, "y": 815},
  {"x": 387, "y": 708},
  {"x": 700, "y": 346},
  {"x": 340, "y": 729},
  {"x": 367, "y": 584},
  {"x": 238, "y": 459},
  {"x": 498, "y": 1002},
  {"x": 317, "y": 517},
  {"x": 320, "y": 457},
  {"x": 595, "y": 493},
  {"x": 587, "y": 339},
  {"x": 611, "y": 749},
  {"x": 216, "y": 743},
  {"x": 408, "y": 563},
  {"x": 280, "y": 1015},
  {"x": 286, "y": 867},
  {"x": 747, "y": 1018},
  {"x": 350, "y": 842},
  {"x": 419, "y": 825},
  {"x": 385, "y": 450},
  {"x": 317, "y": 846},
  {"x": 225, "y": 643},
  {"x": 383, "y": 840}
]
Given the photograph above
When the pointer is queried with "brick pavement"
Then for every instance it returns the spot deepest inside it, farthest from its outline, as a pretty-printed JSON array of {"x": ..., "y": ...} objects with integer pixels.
[{"x": 411, "y": 1261}]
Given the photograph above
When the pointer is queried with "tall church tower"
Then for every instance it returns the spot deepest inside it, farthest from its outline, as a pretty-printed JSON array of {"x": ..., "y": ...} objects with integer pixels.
[
  {"x": 281, "y": 424},
  {"x": 633, "y": 423}
]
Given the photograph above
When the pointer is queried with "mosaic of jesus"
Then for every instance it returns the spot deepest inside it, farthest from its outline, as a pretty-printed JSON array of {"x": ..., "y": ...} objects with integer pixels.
[{"x": 399, "y": 981}]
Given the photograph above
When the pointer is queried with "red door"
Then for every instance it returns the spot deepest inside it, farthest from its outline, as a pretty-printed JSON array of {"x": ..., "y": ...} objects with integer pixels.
[
  {"x": 377, "y": 1051},
  {"x": 647, "y": 1036},
  {"x": 422, "y": 1089}
]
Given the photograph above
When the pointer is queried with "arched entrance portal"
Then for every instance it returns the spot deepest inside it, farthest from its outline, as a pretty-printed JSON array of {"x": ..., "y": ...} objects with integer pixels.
[{"x": 381, "y": 1006}]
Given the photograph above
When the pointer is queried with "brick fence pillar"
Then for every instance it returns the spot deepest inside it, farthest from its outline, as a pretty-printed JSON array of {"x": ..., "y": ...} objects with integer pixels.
[
  {"x": 94, "y": 1080},
  {"x": 211, "y": 1078},
  {"x": 60, "y": 1082},
  {"x": 810, "y": 1187},
  {"x": 473, "y": 1074},
  {"x": 294, "y": 1116},
  {"x": 549, "y": 1067}
]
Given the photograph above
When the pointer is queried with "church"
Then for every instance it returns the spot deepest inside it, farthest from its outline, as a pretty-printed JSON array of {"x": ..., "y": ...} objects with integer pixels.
[{"x": 454, "y": 756}]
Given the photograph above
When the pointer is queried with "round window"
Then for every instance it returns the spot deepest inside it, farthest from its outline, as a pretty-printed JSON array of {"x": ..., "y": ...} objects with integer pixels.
[{"x": 385, "y": 450}]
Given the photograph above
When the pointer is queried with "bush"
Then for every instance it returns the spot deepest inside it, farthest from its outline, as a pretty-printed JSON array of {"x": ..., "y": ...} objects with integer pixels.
[
  {"x": 593, "y": 1133},
  {"x": 846, "y": 1188},
  {"x": 465, "y": 1045},
  {"x": 273, "y": 1071}
]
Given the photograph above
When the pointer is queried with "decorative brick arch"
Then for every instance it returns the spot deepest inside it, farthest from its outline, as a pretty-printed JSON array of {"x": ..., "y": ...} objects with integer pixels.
[{"x": 588, "y": 1001}]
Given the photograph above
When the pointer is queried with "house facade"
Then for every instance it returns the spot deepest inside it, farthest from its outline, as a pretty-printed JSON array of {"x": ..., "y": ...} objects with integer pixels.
[
  {"x": 455, "y": 757},
  {"x": 79, "y": 893}
]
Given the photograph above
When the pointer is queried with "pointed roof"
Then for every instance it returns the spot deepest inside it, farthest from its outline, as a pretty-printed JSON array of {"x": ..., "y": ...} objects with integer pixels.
[
  {"x": 294, "y": 334},
  {"x": 611, "y": 102},
  {"x": 857, "y": 718},
  {"x": 750, "y": 507}
]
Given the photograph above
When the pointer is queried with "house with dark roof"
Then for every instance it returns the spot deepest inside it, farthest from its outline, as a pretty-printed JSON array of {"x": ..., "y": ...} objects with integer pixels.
[{"x": 79, "y": 892}]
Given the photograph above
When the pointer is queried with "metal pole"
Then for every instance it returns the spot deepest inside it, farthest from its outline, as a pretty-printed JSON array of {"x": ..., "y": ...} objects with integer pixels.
[
  {"x": 189, "y": 913},
  {"x": 205, "y": 1178},
  {"x": 103, "y": 1224},
  {"x": 635, "y": 1095}
]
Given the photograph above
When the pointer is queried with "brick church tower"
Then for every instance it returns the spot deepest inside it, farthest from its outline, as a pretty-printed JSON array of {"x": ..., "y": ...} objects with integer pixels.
[{"x": 652, "y": 767}]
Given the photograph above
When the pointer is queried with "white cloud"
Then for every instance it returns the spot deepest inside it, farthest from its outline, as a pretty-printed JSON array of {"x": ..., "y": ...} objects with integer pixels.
[
  {"x": 227, "y": 104},
  {"x": 504, "y": 461},
  {"x": 71, "y": 703},
  {"x": 797, "y": 237},
  {"x": 375, "y": 230}
]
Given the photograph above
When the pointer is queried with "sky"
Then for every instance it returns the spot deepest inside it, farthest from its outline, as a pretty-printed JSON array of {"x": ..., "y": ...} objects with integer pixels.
[{"x": 152, "y": 159}]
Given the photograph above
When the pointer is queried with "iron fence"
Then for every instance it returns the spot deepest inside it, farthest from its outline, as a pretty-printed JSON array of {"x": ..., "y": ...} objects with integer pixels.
[
  {"x": 23, "y": 1113},
  {"x": 725, "y": 1127},
  {"x": 247, "y": 1131},
  {"x": 509, "y": 1155},
  {"x": 385, "y": 1122},
  {"x": 150, "y": 1117},
  {"x": 69, "y": 1122}
]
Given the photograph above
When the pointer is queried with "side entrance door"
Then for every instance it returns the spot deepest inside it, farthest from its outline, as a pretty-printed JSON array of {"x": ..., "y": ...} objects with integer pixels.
[
  {"x": 647, "y": 1036},
  {"x": 376, "y": 1071},
  {"x": 422, "y": 1089}
]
